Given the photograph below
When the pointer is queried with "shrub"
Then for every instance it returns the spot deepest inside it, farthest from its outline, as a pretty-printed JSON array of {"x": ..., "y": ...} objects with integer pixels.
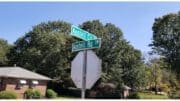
[
  {"x": 134, "y": 96},
  {"x": 165, "y": 88},
  {"x": 28, "y": 93},
  {"x": 32, "y": 93},
  {"x": 36, "y": 93},
  {"x": 8, "y": 95},
  {"x": 51, "y": 93},
  {"x": 175, "y": 95}
]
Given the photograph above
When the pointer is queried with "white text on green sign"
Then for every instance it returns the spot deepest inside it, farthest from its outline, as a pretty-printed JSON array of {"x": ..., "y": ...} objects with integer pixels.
[
  {"x": 82, "y": 34},
  {"x": 83, "y": 45}
]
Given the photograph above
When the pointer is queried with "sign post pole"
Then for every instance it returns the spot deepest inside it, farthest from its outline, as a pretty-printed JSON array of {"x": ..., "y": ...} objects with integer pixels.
[{"x": 83, "y": 90}]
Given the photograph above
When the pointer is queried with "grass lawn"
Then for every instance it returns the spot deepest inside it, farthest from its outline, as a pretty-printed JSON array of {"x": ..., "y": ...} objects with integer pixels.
[
  {"x": 142, "y": 95},
  {"x": 67, "y": 97},
  {"x": 151, "y": 96},
  {"x": 176, "y": 94}
]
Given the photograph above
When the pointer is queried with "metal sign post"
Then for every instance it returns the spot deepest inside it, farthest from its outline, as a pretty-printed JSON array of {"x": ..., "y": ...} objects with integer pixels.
[{"x": 83, "y": 90}]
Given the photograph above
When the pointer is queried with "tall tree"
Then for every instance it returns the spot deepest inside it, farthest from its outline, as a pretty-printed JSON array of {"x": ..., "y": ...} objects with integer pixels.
[
  {"x": 158, "y": 75},
  {"x": 4, "y": 49},
  {"x": 47, "y": 50},
  {"x": 121, "y": 62},
  {"x": 166, "y": 39}
]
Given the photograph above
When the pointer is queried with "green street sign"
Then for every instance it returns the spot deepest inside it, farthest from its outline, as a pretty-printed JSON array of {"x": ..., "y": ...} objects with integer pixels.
[
  {"x": 83, "y": 45},
  {"x": 82, "y": 34}
]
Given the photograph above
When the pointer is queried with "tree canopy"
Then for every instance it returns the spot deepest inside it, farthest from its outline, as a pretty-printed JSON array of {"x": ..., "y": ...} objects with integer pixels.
[
  {"x": 121, "y": 63},
  {"x": 4, "y": 49},
  {"x": 46, "y": 49},
  {"x": 166, "y": 39}
]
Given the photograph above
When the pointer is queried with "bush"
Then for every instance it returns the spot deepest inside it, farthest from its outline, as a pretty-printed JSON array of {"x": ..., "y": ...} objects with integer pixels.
[
  {"x": 165, "y": 88},
  {"x": 28, "y": 93},
  {"x": 32, "y": 93},
  {"x": 134, "y": 96},
  {"x": 8, "y": 95},
  {"x": 37, "y": 93},
  {"x": 175, "y": 95},
  {"x": 51, "y": 93}
]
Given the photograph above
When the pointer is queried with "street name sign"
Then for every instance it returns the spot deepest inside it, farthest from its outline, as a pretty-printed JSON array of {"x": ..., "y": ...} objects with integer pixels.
[
  {"x": 82, "y": 34},
  {"x": 83, "y": 45}
]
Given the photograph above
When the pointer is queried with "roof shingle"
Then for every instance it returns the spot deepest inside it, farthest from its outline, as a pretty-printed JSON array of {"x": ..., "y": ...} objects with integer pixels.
[{"x": 18, "y": 72}]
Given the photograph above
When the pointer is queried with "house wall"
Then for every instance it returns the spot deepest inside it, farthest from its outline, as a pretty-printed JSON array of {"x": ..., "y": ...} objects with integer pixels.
[
  {"x": 2, "y": 84},
  {"x": 126, "y": 93},
  {"x": 11, "y": 84}
]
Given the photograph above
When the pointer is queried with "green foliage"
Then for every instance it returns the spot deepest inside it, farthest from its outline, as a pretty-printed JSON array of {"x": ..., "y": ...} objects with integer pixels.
[
  {"x": 156, "y": 72},
  {"x": 175, "y": 95},
  {"x": 151, "y": 96},
  {"x": 165, "y": 88},
  {"x": 134, "y": 96},
  {"x": 51, "y": 93},
  {"x": 46, "y": 49},
  {"x": 121, "y": 63},
  {"x": 29, "y": 93},
  {"x": 4, "y": 49},
  {"x": 32, "y": 93},
  {"x": 159, "y": 76},
  {"x": 37, "y": 93},
  {"x": 166, "y": 39},
  {"x": 8, "y": 95},
  {"x": 166, "y": 42}
]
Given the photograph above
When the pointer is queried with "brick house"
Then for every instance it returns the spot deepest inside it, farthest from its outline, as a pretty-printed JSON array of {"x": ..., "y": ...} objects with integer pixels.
[{"x": 18, "y": 79}]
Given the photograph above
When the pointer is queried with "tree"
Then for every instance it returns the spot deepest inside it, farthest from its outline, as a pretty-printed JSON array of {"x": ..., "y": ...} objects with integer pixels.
[
  {"x": 158, "y": 76},
  {"x": 154, "y": 73},
  {"x": 166, "y": 39},
  {"x": 46, "y": 49},
  {"x": 4, "y": 49},
  {"x": 121, "y": 62}
]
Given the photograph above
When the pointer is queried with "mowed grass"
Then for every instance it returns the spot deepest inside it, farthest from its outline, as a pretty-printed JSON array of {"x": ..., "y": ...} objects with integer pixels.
[
  {"x": 67, "y": 97},
  {"x": 151, "y": 96},
  {"x": 142, "y": 95}
]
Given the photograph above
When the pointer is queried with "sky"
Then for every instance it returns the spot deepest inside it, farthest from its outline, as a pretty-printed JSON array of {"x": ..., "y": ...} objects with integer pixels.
[{"x": 135, "y": 19}]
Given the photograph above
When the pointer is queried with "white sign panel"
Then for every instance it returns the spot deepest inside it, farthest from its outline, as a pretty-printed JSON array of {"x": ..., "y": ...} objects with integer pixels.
[
  {"x": 77, "y": 69},
  {"x": 93, "y": 70}
]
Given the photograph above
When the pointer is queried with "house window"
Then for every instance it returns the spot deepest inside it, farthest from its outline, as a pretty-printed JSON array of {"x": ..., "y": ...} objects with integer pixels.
[
  {"x": 33, "y": 84},
  {"x": 22, "y": 81},
  {"x": 20, "y": 84}
]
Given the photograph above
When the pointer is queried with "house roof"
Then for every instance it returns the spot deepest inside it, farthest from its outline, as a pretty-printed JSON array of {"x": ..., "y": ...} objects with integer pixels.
[
  {"x": 18, "y": 72},
  {"x": 126, "y": 87}
]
